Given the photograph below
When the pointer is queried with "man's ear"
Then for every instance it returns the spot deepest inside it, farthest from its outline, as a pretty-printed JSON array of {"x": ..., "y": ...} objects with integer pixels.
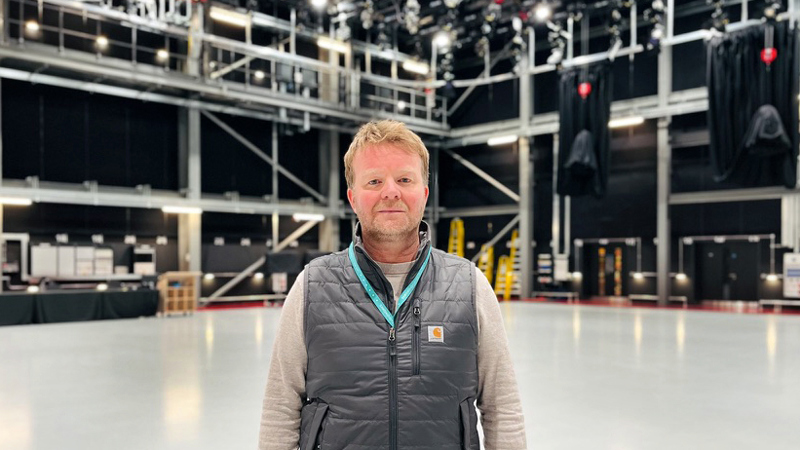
[{"x": 350, "y": 199}]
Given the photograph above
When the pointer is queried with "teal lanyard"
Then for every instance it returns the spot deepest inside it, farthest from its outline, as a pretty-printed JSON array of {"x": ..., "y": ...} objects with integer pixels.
[{"x": 371, "y": 292}]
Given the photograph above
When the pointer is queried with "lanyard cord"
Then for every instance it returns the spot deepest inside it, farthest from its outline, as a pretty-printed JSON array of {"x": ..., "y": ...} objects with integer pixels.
[{"x": 374, "y": 296}]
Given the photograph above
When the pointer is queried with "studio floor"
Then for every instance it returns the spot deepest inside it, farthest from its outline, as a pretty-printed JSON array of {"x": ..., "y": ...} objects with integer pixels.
[{"x": 590, "y": 378}]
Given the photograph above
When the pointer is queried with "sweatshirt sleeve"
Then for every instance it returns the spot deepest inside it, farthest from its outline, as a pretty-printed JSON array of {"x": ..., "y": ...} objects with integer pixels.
[
  {"x": 498, "y": 394},
  {"x": 286, "y": 380}
]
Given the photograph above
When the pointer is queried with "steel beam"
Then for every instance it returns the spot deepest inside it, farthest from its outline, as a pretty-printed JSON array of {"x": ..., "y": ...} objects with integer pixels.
[
  {"x": 329, "y": 178},
  {"x": 274, "y": 195},
  {"x": 732, "y": 195},
  {"x": 237, "y": 279},
  {"x": 488, "y": 178},
  {"x": 480, "y": 211},
  {"x": 77, "y": 194},
  {"x": 526, "y": 183},
  {"x": 190, "y": 225},
  {"x": 260, "y": 262},
  {"x": 97, "y": 88},
  {"x": 253, "y": 148},
  {"x": 151, "y": 76},
  {"x": 498, "y": 57},
  {"x": 506, "y": 229},
  {"x": 664, "y": 167}
]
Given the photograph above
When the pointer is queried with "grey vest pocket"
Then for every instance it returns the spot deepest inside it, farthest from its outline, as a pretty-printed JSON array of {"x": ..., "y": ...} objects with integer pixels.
[{"x": 312, "y": 425}]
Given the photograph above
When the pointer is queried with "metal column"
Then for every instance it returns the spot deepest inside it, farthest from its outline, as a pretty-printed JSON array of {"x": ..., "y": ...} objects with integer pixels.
[
  {"x": 525, "y": 183},
  {"x": 329, "y": 183},
  {"x": 189, "y": 225},
  {"x": 434, "y": 194},
  {"x": 556, "y": 226},
  {"x": 664, "y": 166},
  {"x": 274, "y": 195}
]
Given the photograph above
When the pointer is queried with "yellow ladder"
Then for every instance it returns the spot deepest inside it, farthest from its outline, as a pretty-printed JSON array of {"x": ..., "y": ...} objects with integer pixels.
[
  {"x": 455, "y": 245},
  {"x": 507, "y": 282},
  {"x": 486, "y": 262}
]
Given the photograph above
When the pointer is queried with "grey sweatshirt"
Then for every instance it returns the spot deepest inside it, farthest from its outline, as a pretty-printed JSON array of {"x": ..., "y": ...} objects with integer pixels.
[{"x": 498, "y": 395}]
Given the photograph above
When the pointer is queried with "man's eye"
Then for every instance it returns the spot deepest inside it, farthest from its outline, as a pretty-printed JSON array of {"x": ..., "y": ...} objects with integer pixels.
[
  {"x": 373, "y": 182},
  {"x": 405, "y": 180}
]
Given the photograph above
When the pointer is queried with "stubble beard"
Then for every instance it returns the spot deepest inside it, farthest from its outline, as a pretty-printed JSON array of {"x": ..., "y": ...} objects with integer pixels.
[{"x": 379, "y": 232}]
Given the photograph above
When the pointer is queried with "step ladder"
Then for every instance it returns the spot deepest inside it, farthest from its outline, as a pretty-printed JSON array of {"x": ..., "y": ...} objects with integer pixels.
[
  {"x": 507, "y": 282},
  {"x": 486, "y": 262},
  {"x": 455, "y": 245}
]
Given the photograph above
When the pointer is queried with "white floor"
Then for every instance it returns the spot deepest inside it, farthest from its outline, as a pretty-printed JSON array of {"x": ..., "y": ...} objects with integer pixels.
[{"x": 590, "y": 378}]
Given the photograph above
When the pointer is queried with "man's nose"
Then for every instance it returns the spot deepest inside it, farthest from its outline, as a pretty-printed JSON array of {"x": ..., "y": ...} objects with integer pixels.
[{"x": 390, "y": 190}]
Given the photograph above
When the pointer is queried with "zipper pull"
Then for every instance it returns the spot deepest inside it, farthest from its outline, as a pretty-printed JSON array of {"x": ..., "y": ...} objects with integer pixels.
[
  {"x": 416, "y": 310},
  {"x": 392, "y": 346}
]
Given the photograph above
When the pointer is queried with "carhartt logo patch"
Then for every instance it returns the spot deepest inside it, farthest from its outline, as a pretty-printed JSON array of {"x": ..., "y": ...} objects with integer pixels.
[{"x": 436, "y": 333}]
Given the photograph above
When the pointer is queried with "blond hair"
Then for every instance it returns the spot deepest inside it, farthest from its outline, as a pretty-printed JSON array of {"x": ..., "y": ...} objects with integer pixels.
[{"x": 385, "y": 132}]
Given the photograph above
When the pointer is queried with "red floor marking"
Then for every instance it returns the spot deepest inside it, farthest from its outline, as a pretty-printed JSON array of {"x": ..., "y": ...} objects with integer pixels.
[{"x": 240, "y": 305}]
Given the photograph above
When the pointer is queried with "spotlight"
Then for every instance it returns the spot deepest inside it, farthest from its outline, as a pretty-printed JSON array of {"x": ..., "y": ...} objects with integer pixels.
[
  {"x": 772, "y": 278},
  {"x": 101, "y": 42},
  {"x": 162, "y": 55},
  {"x": 658, "y": 32},
  {"x": 680, "y": 277},
  {"x": 33, "y": 289},
  {"x": 516, "y": 24},
  {"x": 102, "y": 287},
  {"x": 411, "y": 14},
  {"x": 638, "y": 276},
  {"x": 259, "y": 75},
  {"x": 543, "y": 12},
  {"x": 319, "y": 4},
  {"x": 442, "y": 39},
  {"x": 208, "y": 276},
  {"x": 366, "y": 15},
  {"x": 556, "y": 55},
  {"x": 401, "y": 105},
  {"x": 32, "y": 26},
  {"x": 577, "y": 275},
  {"x": 258, "y": 276}
]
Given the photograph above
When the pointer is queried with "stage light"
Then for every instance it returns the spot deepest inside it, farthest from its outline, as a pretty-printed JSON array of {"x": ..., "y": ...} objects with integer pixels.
[{"x": 416, "y": 67}]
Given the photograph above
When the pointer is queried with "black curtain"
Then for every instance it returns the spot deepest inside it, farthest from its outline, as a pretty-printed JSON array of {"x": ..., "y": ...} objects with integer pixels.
[
  {"x": 578, "y": 114},
  {"x": 739, "y": 83}
]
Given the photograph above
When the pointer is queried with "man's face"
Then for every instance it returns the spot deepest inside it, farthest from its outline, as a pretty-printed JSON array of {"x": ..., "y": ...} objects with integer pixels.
[{"x": 388, "y": 192}]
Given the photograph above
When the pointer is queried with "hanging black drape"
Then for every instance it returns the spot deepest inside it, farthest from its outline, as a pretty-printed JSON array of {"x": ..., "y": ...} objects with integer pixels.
[
  {"x": 576, "y": 157},
  {"x": 739, "y": 84}
]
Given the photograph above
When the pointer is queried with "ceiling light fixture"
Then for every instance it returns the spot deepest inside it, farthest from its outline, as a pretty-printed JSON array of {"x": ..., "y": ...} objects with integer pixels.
[
  {"x": 299, "y": 217},
  {"x": 229, "y": 16},
  {"x": 416, "y": 67},
  {"x": 625, "y": 122},
  {"x": 181, "y": 210},
  {"x": 502, "y": 140},
  {"x": 332, "y": 44}
]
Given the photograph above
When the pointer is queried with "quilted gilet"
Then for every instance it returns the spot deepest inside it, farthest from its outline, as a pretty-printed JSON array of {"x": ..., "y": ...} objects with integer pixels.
[{"x": 370, "y": 388}]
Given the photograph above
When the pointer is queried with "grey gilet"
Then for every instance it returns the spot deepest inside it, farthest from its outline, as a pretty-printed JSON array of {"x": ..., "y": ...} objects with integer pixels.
[{"x": 368, "y": 388}]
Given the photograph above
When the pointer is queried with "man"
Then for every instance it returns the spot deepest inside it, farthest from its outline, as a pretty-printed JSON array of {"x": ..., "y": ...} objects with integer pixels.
[{"x": 390, "y": 343}]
